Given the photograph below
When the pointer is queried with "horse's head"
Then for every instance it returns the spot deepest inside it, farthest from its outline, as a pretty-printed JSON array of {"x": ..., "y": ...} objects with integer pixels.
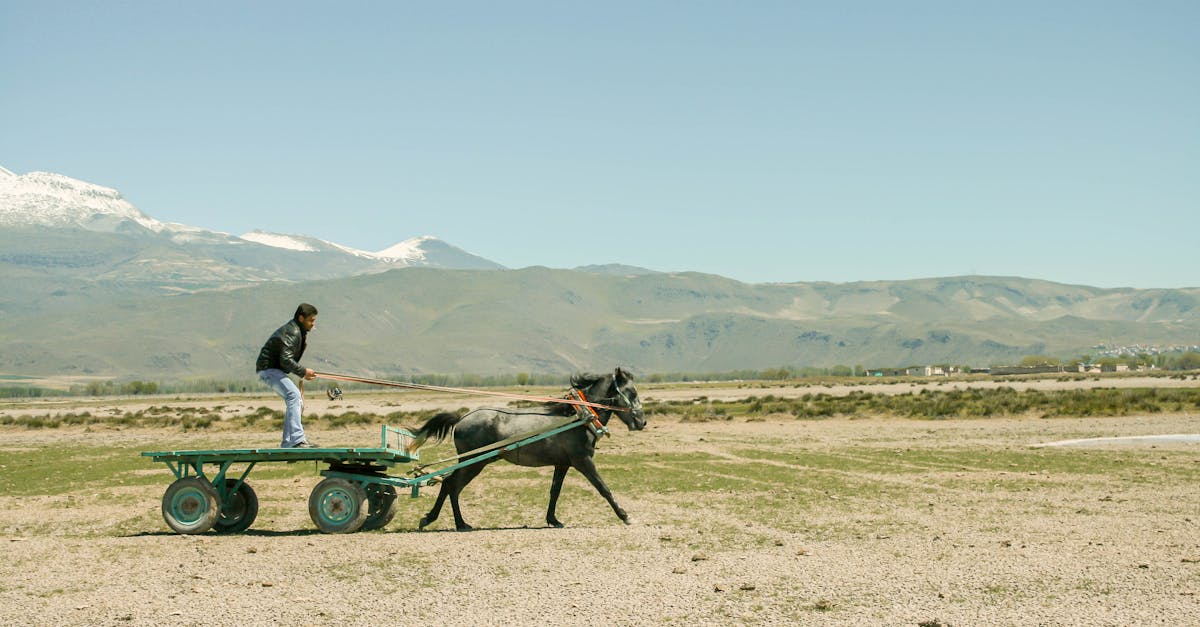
[
  {"x": 614, "y": 390},
  {"x": 622, "y": 393},
  {"x": 627, "y": 396}
]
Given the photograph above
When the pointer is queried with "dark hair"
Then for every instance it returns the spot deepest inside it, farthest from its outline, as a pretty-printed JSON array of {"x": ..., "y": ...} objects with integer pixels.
[{"x": 305, "y": 310}]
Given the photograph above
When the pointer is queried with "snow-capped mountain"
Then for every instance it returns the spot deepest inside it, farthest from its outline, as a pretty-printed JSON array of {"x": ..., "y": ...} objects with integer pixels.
[
  {"x": 410, "y": 249},
  {"x": 417, "y": 251},
  {"x": 47, "y": 199},
  {"x": 54, "y": 221}
]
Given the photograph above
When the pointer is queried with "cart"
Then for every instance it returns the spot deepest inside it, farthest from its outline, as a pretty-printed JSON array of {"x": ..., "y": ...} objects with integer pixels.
[{"x": 357, "y": 493}]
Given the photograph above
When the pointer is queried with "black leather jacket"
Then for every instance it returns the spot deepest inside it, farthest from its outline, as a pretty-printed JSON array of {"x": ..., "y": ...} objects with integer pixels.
[{"x": 284, "y": 349}]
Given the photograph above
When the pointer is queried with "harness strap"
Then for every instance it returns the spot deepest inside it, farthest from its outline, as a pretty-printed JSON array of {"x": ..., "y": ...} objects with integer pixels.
[
  {"x": 495, "y": 445},
  {"x": 595, "y": 427}
]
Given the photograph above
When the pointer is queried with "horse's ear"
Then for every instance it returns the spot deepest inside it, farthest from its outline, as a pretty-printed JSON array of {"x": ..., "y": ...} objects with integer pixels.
[{"x": 620, "y": 377}]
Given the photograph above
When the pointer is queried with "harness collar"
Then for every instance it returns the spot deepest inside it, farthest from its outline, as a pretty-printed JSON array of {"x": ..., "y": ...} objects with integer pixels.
[{"x": 594, "y": 425}]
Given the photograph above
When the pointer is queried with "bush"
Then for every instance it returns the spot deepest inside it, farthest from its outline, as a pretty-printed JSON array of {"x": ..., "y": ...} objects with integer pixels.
[{"x": 1003, "y": 401}]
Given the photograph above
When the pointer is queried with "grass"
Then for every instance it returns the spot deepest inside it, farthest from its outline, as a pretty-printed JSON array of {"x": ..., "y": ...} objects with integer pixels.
[
  {"x": 782, "y": 489},
  {"x": 57, "y": 470},
  {"x": 926, "y": 404}
]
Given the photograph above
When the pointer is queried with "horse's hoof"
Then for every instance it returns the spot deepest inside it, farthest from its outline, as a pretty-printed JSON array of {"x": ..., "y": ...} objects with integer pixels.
[
  {"x": 627, "y": 520},
  {"x": 464, "y": 527},
  {"x": 554, "y": 523},
  {"x": 424, "y": 522}
]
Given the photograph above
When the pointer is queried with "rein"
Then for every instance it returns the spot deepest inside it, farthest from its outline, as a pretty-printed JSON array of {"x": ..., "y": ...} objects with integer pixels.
[{"x": 570, "y": 400}]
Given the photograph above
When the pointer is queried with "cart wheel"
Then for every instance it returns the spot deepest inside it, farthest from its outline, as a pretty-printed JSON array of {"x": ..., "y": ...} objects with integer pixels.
[
  {"x": 239, "y": 513},
  {"x": 191, "y": 505},
  {"x": 338, "y": 505},
  {"x": 381, "y": 506}
]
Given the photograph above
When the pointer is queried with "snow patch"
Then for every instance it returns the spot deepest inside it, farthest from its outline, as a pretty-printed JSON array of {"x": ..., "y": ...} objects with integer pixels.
[
  {"x": 408, "y": 250},
  {"x": 276, "y": 240}
]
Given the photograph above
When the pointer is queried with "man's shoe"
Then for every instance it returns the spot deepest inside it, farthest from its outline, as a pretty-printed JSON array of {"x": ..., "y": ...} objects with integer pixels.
[{"x": 306, "y": 444}]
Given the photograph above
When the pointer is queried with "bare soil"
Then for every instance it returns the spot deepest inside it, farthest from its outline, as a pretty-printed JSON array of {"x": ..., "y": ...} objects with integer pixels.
[{"x": 772, "y": 521}]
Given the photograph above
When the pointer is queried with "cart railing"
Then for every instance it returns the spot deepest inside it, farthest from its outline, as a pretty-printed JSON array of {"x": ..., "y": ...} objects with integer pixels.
[{"x": 396, "y": 439}]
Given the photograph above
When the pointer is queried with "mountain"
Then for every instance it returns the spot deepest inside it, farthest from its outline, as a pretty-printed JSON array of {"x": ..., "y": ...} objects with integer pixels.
[
  {"x": 619, "y": 269},
  {"x": 57, "y": 201},
  {"x": 89, "y": 284},
  {"x": 56, "y": 228},
  {"x": 425, "y": 251},
  {"x": 430, "y": 320},
  {"x": 431, "y": 252}
]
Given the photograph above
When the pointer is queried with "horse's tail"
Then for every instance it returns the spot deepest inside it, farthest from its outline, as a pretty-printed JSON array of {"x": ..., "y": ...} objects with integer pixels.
[{"x": 437, "y": 428}]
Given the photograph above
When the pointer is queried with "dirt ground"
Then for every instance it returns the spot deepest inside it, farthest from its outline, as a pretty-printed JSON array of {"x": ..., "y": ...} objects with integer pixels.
[{"x": 771, "y": 521}]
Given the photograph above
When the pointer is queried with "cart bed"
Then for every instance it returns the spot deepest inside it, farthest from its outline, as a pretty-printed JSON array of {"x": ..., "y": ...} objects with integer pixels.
[{"x": 354, "y": 455}]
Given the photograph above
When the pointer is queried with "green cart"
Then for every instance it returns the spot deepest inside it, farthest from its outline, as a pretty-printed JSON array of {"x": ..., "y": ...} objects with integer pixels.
[{"x": 356, "y": 494}]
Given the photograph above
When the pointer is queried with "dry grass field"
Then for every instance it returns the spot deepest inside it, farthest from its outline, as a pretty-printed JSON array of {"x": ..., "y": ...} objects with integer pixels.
[{"x": 757, "y": 519}]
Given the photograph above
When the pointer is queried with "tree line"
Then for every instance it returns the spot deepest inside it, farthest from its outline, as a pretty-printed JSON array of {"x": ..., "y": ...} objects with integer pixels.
[{"x": 1164, "y": 361}]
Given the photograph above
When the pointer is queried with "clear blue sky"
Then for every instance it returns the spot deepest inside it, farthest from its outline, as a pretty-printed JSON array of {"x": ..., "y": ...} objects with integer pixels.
[{"x": 763, "y": 141}]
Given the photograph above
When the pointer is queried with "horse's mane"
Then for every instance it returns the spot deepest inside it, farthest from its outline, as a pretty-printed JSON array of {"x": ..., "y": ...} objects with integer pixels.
[
  {"x": 585, "y": 380},
  {"x": 580, "y": 381}
]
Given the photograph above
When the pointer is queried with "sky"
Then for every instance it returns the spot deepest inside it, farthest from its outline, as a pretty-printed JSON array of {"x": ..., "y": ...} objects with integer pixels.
[{"x": 762, "y": 141}]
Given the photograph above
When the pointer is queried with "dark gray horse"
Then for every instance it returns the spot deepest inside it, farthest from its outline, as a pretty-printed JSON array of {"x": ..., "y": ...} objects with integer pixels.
[{"x": 566, "y": 450}]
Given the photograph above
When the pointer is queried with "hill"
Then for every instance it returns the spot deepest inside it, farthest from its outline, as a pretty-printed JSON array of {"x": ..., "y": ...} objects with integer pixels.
[
  {"x": 89, "y": 284},
  {"x": 427, "y": 320}
]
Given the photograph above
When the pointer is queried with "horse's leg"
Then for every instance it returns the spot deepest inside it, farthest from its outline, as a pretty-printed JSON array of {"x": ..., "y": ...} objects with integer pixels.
[
  {"x": 468, "y": 473},
  {"x": 585, "y": 465},
  {"x": 443, "y": 492},
  {"x": 560, "y": 472}
]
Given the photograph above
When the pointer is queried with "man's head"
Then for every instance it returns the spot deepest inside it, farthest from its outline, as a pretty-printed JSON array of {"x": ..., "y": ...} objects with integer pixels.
[{"x": 306, "y": 315}]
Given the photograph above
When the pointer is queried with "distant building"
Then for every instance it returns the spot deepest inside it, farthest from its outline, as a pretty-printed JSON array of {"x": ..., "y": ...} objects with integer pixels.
[{"x": 914, "y": 371}]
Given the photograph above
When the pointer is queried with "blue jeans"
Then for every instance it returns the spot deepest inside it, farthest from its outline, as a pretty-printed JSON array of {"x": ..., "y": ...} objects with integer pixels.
[{"x": 293, "y": 431}]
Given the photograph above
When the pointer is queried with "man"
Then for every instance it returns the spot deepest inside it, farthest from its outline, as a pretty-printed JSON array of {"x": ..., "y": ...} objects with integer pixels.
[{"x": 281, "y": 356}]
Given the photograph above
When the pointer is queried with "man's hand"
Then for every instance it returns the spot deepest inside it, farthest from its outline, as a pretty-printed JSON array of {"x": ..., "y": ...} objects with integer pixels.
[{"x": 309, "y": 374}]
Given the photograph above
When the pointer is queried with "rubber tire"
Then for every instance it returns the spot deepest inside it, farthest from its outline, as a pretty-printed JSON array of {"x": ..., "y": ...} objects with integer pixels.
[
  {"x": 237, "y": 515},
  {"x": 338, "y": 505},
  {"x": 381, "y": 506},
  {"x": 191, "y": 505}
]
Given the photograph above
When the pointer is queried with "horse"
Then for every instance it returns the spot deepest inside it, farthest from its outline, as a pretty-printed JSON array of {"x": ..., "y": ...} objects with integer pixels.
[{"x": 569, "y": 449}]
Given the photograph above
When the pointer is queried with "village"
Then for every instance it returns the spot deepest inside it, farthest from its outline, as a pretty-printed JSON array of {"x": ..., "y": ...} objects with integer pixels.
[{"x": 1127, "y": 358}]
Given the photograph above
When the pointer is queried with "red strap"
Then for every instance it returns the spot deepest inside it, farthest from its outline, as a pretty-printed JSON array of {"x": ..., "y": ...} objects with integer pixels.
[{"x": 589, "y": 407}]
